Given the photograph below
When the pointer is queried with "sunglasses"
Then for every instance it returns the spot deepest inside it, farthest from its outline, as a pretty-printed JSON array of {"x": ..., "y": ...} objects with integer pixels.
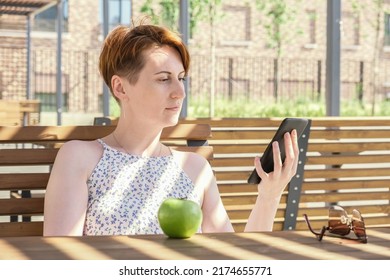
[{"x": 340, "y": 225}]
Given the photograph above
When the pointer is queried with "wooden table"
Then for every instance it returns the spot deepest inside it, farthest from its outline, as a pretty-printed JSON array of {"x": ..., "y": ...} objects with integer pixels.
[{"x": 276, "y": 245}]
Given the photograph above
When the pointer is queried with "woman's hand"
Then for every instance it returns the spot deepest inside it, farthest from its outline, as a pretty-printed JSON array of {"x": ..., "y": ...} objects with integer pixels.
[{"x": 272, "y": 184}]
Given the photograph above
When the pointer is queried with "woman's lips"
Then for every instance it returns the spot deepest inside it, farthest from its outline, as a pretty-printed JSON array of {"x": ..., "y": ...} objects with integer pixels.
[{"x": 175, "y": 108}]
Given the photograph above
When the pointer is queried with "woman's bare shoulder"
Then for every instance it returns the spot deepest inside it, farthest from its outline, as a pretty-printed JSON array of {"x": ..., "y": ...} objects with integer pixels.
[
  {"x": 80, "y": 152},
  {"x": 77, "y": 146}
]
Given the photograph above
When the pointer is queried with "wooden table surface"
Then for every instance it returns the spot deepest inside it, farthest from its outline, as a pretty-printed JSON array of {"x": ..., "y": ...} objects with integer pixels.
[{"x": 275, "y": 245}]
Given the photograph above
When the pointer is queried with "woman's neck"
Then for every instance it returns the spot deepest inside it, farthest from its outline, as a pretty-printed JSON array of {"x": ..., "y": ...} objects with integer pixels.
[{"x": 137, "y": 139}]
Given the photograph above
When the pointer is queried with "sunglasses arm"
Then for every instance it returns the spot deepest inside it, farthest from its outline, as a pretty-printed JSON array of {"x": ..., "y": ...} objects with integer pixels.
[{"x": 319, "y": 235}]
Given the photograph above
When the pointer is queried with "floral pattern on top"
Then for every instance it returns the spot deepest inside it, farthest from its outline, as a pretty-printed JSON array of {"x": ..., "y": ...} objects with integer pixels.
[{"x": 125, "y": 192}]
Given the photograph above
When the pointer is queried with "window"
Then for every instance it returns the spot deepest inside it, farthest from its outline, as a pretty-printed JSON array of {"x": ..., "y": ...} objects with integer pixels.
[
  {"x": 310, "y": 34},
  {"x": 235, "y": 25},
  {"x": 46, "y": 20},
  {"x": 387, "y": 30},
  {"x": 119, "y": 12},
  {"x": 350, "y": 29}
]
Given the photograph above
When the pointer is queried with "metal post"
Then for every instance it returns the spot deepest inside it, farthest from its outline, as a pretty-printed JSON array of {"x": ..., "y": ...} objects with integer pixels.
[
  {"x": 333, "y": 58},
  {"x": 185, "y": 33},
  {"x": 28, "y": 89},
  {"x": 106, "y": 93},
  {"x": 28, "y": 74},
  {"x": 59, "y": 62}
]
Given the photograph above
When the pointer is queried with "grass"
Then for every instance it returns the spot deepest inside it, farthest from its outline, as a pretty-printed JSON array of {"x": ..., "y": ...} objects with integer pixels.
[
  {"x": 301, "y": 107},
  {"x": 241, "y": 107}
]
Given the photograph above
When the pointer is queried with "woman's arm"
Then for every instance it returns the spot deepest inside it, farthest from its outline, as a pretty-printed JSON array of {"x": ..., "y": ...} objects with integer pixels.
[
  {"x": 272, "y": 184},
  {"x": 67, "y": 195},
  {"x": 215, "y": 218}
]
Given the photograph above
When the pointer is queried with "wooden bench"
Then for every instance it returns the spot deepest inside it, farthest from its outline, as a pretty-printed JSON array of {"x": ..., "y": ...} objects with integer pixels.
[
  {"x": 19, "y": 112},
  {"x": 10, "y": 113},
  {"x": 347, "y": 162},
  {"x": 27, "y": 154}
]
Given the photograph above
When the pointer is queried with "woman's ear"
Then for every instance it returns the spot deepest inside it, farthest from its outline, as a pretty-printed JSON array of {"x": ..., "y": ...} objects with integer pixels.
[{"x": 118, "y": 88}]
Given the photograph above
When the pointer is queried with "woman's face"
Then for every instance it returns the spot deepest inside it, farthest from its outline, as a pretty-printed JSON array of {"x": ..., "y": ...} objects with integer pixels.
[{"x": 158, "y": 94}]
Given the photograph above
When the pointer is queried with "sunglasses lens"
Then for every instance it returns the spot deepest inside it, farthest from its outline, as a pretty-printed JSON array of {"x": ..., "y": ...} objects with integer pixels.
[
  {"x": 338, "y": 221},
  {"x": 358, "y": 225}
]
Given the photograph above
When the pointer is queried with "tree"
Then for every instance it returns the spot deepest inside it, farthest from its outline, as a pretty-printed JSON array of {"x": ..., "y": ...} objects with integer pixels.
[
  {"x": 377, "y": 25},
  {"x": 167, "y": 12},
  {"x": 278, "y": 16},
  {"x": 211, "y": 16}
]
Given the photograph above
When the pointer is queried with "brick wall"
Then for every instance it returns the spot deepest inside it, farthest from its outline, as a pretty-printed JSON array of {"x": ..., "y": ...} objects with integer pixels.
[{"x": 240, "y": 37}]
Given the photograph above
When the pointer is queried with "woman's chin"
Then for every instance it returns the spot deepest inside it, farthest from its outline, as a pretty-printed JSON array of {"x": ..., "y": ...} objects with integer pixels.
[{"x": 172, "y": 121}]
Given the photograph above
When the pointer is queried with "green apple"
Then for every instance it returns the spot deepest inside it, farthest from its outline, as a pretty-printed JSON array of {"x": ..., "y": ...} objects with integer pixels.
[{"x": 179, "y": 218}]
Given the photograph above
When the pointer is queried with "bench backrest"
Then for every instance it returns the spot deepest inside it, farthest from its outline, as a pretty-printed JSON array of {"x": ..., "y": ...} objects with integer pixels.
[
  {"x": 347, "y": 162},
  {"x": 10, "y": 113},
  {"x": 27, "y": 154}
]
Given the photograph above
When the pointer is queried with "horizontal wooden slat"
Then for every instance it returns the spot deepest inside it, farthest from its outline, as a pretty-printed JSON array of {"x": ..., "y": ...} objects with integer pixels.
[
  {"x": 347, "y": 159},
  {"x": 232, "y": 175},
  {"x": 27, "y": 156},
  {"x": 316, "y": 122},
  {"x": 348, "y": 147},
  {"x": 47, "y": 156},
  {"x": 366, "y": 210},
  {"x": 325, "y": 147},
  {"x": 235, "y": 149},
  {"x": 187, "y": 131},
  {"x": 233, "y": 161},
  {"x": 357, "y": 133},
  {"x": 24, "y": 181},
  {"x": 21, "y": 229},
  {"x": 243, "y": 134},
  {"x": 67, "y": 133},
  {"x": 334, "y": 197},
  {"x": 21, "y": 206},
  {"x": 330, "y": 173},
  {"x": 236, "y": 122},
  {"x": 343, "y": 173},
  {"x": 346, "y": 184},
  {"x": 336, "y": 134}
]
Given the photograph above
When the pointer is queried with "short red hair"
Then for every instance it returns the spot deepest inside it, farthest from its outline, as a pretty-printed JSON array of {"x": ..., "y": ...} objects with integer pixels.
[{"x": 122, "y": 51}]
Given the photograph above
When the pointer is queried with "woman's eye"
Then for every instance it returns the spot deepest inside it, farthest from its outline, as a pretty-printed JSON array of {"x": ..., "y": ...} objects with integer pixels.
[{"x": 182, "y": 79}]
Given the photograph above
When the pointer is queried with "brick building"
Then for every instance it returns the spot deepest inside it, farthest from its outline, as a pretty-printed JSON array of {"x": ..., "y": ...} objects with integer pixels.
[{"x": 245, "y": 59}]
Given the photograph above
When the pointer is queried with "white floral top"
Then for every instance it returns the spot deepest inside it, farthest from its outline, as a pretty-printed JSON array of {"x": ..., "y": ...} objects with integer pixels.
[{"x": 125, "y": 192}]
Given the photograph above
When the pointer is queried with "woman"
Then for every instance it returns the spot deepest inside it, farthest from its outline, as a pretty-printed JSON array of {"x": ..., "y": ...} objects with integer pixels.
[{"x": 114, "y": 185}]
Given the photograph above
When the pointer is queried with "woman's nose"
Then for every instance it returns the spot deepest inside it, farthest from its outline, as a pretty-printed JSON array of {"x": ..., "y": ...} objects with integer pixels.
[{"x": 178, "y": 91}]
